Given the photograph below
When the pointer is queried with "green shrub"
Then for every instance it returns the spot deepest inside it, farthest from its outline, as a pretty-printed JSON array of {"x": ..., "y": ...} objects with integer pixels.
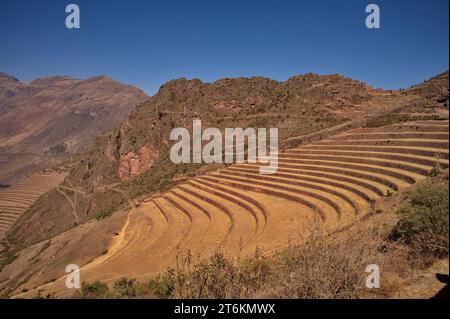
[
  {"x": 436, "y": 171},
  {"x": 125, "y": 287},
  {"x": 58, "y": 148},
  {"x": 424, "y": 220},
  {"x": 163, "y": 286},
  {"x": 93, "y": 290}
]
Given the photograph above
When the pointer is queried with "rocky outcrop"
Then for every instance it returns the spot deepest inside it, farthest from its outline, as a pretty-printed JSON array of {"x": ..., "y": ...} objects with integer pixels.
[{"x": 134, "y": 163}]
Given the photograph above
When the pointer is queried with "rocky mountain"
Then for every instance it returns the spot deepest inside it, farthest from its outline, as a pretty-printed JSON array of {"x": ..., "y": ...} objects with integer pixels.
[
  {"x": 347, "y": 150},
  {"x": 132, "y": 161},
  {"x": 48, "y": 119}
]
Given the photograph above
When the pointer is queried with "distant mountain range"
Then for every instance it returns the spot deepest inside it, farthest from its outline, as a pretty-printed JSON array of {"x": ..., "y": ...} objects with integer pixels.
[{"x": 46, "y": 120}]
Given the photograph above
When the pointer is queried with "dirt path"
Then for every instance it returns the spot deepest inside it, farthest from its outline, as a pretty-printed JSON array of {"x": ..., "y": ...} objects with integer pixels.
[{"x": 72, "y": 203}]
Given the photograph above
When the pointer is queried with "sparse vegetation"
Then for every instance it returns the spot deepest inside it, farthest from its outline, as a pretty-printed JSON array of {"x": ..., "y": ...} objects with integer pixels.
[
  {"x": 6, "y": 258},
  {"x": 321, "y": 268},
  {"x": 108, "y": 211},
  {"x": 58, "y": 148},
  {"x": 93, "y": 290},
  {"x": 424, "y": 221},
  {"x": 392, "y": 118}
]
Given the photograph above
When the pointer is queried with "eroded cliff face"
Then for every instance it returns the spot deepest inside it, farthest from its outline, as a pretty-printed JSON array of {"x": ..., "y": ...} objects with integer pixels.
[{"x": 134, "y": 163}]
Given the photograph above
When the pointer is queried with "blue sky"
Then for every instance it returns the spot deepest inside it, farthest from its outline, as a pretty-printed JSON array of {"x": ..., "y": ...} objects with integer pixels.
[{"x": 147, "y": 43}]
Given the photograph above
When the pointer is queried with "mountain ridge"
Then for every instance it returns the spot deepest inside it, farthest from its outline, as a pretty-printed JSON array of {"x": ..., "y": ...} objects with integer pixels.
[{"x": 57, "y": 110}]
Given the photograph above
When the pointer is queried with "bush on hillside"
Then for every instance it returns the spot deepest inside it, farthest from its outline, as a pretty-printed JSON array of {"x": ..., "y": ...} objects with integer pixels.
[
  {"x": 58, "y": 148},
  {"x": 424, "y": 220},
  {"x": 125, "y": 288},
  {"x": 93, "y": 290}
]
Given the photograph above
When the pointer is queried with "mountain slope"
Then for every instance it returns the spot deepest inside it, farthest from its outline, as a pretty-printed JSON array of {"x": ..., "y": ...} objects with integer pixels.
[
  {"x": 324, "y": 186},
  {"x": 133, "y": 161},
  {"x": 127, "y": 173},
  {"x": 43, "y": 121},
  {"x": 435, "y": 88}
]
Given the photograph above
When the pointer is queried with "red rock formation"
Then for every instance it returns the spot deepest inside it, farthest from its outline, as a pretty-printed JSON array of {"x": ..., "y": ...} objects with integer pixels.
[{"x": 134, "y": 163}]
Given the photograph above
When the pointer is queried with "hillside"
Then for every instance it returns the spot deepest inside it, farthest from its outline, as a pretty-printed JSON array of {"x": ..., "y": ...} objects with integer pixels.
[
  {"x": 46, "y": 120},
  {"x": 133, "y": 160},
  {"x": 346, "y": 145},
  {"x": 435, "y": 88},
  {"x": 325, "y": 186}
]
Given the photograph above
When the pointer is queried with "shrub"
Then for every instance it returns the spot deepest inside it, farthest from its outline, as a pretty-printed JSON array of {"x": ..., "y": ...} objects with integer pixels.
[
  {"x": 331, "y": 268},
  {"x": 93, "y": 290},
  {"x": 424, "y": 220},
  {"x": 125, "y": 287},
  {"x": 436, "y": 171},
  {"x": 58, "y": 148},
  {"x": 216, "y": 277},
  {"x": 163, "y": 286},
  {"x": 323, "y": 267}
]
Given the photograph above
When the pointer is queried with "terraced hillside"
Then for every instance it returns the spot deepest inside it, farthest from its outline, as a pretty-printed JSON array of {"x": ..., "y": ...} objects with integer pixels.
[
  {"x": 134, "y": 157},
  {"x": 327, "y": 184},
  {"x": 17, "y": 199}
]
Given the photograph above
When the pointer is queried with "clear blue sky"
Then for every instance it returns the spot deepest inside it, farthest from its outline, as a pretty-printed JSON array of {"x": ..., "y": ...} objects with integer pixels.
[{"x": 147, "y": 43}]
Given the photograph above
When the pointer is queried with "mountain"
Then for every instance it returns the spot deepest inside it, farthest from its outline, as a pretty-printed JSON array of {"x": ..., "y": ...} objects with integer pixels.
[
  {"x": 43, "y": 122},
  {"x": 118, "y": 214},
  {"x": 132, "y": 161}
]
